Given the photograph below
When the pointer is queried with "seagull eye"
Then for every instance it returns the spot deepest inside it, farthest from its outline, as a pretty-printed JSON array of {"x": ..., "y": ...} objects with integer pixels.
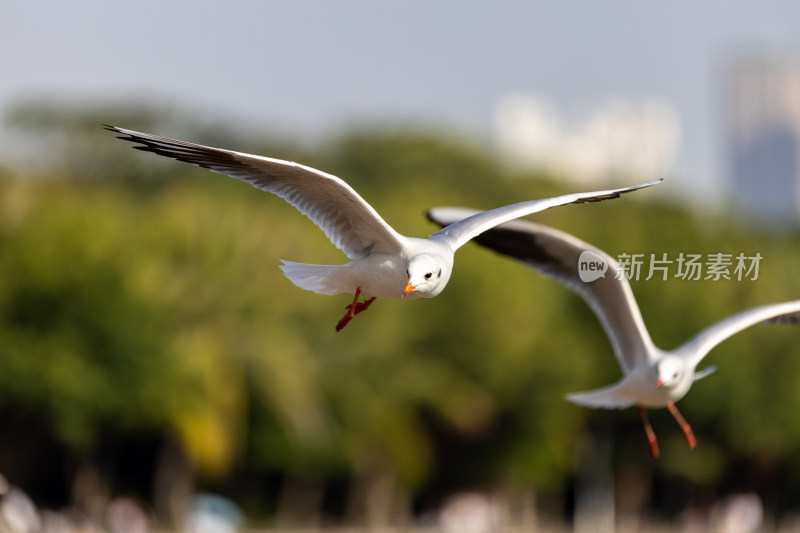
[
  {"x": 428, "y": 275},
  {"x": 675, "y": 375},
  {"x": 439, "y": 275}
]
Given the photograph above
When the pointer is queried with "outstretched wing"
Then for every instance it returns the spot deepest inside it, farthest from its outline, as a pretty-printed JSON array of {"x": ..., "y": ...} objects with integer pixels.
[
  {"x": 557, "y": 255},
  {"x": 350, "y": 223},
  {"x": 462, "y": 231},
  {"x": 698, "y": 346}
]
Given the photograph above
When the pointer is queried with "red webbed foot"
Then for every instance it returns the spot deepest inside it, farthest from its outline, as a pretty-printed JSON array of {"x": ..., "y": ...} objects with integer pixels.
[{"x": 353, "y": 309}]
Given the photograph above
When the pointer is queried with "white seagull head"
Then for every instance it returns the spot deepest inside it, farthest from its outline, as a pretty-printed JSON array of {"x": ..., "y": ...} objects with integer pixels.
[
  {"x": 427, "y": 275},
  {"x": 670, "y": 372}
]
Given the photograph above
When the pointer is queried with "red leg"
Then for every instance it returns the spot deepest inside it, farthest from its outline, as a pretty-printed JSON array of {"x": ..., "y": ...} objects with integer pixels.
[
  {"x": 651, "y": 435},
  {"x": 687, "y": 429},
  {"x": 351, "y": 312}
]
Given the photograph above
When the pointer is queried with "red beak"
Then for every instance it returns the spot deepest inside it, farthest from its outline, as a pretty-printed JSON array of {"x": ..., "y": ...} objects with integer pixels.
[{"x": 659, "y": 383}]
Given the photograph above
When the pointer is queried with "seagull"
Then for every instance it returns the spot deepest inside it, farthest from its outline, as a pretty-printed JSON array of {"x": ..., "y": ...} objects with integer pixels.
[
  {"x": 384, "y": 263},
  {"x": 653, "y": 378}
]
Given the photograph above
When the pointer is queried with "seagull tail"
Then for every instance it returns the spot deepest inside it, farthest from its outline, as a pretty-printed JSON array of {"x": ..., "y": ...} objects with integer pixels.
[
  {"x": 605, "y": 398},
  {"x": 315, "y": 278}
]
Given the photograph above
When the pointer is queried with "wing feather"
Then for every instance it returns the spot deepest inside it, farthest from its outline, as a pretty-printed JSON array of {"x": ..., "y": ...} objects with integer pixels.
[
  {"x": 350, "y": 223},
  {"x": 702, "y": 343},
  {"x": 462, "y": 231}
]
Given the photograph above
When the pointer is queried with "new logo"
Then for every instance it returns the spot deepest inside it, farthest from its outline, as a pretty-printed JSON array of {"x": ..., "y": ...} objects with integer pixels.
[{"x": 591, "y": 266}]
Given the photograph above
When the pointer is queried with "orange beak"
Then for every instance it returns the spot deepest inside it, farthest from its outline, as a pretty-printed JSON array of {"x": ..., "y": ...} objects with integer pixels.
[
  {"x": 659, "y": 383},
  {"x": 410, "y": 287}
]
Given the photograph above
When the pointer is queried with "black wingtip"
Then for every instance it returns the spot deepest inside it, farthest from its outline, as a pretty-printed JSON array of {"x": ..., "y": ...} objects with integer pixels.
[
  {"x": 124, "y": 136},
  {"x": 616, "y": 194},
  {"x": 109, "y": 127},
  {"x": 791, "y": 319}
]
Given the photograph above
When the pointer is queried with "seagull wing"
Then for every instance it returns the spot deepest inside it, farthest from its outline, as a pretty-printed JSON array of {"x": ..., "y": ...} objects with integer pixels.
[
  {"x": 556, "y": 254},
  {"x": 350, "y": 223},
  {"x": 461, "y": 231},
  {"x": 698, "y": 346}
]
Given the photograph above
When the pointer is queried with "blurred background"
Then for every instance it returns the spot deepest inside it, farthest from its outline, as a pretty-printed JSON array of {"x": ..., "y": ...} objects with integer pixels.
[{"x": 157, "y": 371}]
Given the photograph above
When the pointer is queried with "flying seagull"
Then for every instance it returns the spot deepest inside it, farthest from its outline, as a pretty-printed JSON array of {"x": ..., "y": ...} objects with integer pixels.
[
  {"x": 653, "y": 377},
  {"x": 384, "y": 263}
]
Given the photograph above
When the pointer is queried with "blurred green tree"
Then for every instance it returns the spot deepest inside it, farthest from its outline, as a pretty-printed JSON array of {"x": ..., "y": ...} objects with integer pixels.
[{"x": 161, "y": 308}]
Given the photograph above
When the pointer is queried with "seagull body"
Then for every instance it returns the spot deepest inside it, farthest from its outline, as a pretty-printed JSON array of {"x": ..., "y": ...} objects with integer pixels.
[
  {"x": 384, "y": 263},
  {"x": 379, "y": 274},
  {"x": 652, "y": 377}
]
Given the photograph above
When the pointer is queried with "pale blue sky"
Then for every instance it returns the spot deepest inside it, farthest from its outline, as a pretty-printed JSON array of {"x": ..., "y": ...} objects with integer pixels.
[{"x": 313, "y": 65}]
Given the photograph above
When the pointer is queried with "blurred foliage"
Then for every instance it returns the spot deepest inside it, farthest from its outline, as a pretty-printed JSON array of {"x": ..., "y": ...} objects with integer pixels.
[{"x": 141, "y": 294}]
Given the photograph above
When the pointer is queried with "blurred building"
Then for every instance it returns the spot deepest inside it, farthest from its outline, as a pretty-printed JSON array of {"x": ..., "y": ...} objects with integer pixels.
[
  {"x": 615, "y": 141},
  {"x": 762, "y": 110}
]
